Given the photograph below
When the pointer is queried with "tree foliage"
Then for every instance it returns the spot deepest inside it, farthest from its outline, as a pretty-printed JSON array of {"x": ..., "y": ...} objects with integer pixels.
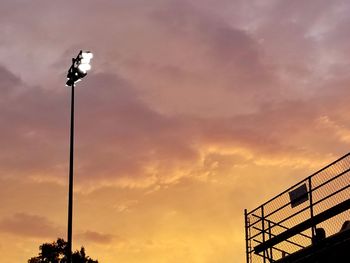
[{"x": 55, "y": 252}]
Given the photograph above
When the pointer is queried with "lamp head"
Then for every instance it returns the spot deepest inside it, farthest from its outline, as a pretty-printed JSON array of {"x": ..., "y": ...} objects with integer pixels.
[
  {"x": 80, "y": 67},
  {"x": 84, "y": 61}
]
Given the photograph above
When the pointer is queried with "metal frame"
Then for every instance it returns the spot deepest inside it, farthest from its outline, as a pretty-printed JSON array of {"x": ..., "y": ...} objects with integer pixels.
[{"x": 270, "y": 229}]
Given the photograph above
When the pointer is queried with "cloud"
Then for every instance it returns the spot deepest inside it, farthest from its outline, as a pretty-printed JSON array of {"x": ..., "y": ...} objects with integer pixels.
[
  {"x": 30, "y": 226},
  {"x": 202, "y": 67},
  {"x": 31, "y": 119},
  {"x": 96, "y": 237},
  {"x": 8, "y": 81},
  {"x": 121, "y": 133},
  {"x": 122, "y": 140},
  {"x": 118, "y": 135}
]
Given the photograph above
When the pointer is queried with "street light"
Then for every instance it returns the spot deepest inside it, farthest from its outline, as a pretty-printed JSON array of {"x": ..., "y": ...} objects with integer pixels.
[{"x": 77, "y": 71}]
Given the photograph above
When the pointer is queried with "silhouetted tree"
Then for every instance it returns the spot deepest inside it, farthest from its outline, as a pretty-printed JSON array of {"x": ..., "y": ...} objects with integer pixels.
[{"x": 55, "y": 252}]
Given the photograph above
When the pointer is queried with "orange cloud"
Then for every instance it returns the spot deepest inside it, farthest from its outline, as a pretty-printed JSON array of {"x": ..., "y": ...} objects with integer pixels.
[
  {"x": 92, "y": 236},
  {"x": 32, "y": 226}
]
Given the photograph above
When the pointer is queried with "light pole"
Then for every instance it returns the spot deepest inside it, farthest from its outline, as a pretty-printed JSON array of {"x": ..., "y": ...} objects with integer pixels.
[{"x": 77, "y": 71}]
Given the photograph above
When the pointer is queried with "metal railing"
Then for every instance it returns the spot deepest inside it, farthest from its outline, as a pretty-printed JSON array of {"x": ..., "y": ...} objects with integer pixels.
[{"x": 283, "y": 225}]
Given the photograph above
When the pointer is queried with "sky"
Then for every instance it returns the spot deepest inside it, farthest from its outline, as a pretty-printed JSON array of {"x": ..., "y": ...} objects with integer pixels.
[{"x": 192, "y": 112}]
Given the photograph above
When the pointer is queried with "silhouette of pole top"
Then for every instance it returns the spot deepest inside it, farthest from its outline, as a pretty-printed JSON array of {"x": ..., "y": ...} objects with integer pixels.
[{"x": 79, "y": 68}]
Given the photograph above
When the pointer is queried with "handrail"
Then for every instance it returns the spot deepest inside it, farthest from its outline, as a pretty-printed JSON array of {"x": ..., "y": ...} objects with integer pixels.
[
  {"x": 280, "y": 225},
  {"x": 333, "y": 211},
  {"x": 290, "y": 188},
  {"x": 288, "y": 241}
]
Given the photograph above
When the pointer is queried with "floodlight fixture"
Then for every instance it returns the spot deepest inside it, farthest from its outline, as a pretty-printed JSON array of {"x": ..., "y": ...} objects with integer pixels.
[{"x": 79, "y": 68}]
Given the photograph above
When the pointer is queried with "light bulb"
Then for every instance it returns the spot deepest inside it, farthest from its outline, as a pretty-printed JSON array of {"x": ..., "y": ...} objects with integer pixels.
[
  {"x": 84, "y": 67},
  {"x": 87, "y": 55},
  {"x": 85, "y": 61}
]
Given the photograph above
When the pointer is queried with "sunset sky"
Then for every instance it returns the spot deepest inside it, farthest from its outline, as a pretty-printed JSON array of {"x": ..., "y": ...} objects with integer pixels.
[{"x": 193, "y": 111}]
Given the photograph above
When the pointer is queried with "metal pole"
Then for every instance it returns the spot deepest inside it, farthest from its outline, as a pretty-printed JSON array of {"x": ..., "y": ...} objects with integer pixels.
[
  {"x": 246, "y": 235},
  {"x": 313, "y": 227},
  {"x": 270, "y": 236},
  {"x": 70, "y": 194},
  {"x": 263, "y": 231}
]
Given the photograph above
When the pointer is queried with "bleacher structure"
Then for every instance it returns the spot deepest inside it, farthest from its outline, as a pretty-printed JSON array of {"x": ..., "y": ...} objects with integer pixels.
[{"x": 307, "y": 223}]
